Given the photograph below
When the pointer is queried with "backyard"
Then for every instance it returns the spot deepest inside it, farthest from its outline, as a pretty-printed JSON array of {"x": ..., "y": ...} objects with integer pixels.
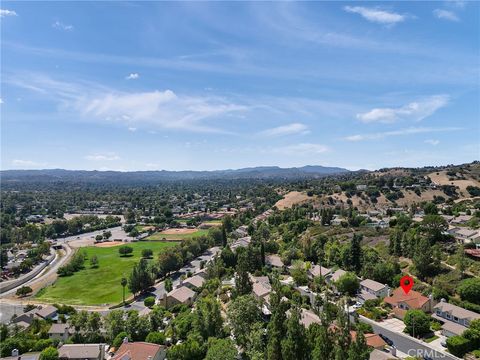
[{"x": 101, "y": 285}]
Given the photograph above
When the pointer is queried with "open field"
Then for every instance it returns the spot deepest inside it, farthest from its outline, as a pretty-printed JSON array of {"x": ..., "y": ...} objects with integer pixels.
[
  {"x": 101, "y": 285},
  {"x": 144, "y": 228},
  {"x": 442, "y": 178},
  {"x": 110, "y": 244},
  {"x": 177, "y": 234},
  {"x": 290, "y": 199}
]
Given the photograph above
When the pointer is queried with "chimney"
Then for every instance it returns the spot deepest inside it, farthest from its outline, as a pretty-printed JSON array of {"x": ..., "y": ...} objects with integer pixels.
[
  {"x": 443, "y": 300},
  {"x": 125, "y": 340},
  {"x": 15, "y": 353}
]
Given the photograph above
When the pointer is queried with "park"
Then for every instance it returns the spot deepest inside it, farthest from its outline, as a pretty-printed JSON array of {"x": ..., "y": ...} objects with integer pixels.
[{"x": 100, "y": 284}]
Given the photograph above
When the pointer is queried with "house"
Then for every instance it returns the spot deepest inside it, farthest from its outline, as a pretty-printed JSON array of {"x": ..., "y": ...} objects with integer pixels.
[
  {"x": 361, "y": 187},
  {"x": 333, "y": 277},
  {"x": 82, "y": 352},
  {"x": 182, "y": 295},
  {"x": 139, "y": 351},
  {"x": 25, "y": 356},
  {"x": 24, "y": 320},
  {"x": 374, "y": 288},
  {"x": 60, "y": 331},
  {"x": 308, "y": 318},
  {"x": 317, "y": 270},
  {"x": 461, "y": 219},
  {"x": 274, "y": 261},
  {"x": 47, "y": 312},
  {"x": 382, "y": 355},
  {"x": 402, "y": 302},
  {"x": 195, "y": 282},
  {"x": 465, "y": 235},
  {"x": 455, "y": 319},
  {"x": 260, "y": 286},
  {"x": 242, "y": 242},
  {"x": 242, "y": 231},
  {"x": 372, "y": 340}
]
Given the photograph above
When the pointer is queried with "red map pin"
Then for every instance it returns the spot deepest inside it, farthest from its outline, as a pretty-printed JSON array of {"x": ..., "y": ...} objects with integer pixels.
[{"x": 406, "y": 283}]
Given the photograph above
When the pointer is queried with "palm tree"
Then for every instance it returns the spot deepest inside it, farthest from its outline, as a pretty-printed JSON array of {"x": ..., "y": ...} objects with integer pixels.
[{"x": 124, "y": 283}]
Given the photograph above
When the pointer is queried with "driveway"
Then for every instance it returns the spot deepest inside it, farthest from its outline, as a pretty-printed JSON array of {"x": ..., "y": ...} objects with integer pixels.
[{"x": 394, "y": 324}]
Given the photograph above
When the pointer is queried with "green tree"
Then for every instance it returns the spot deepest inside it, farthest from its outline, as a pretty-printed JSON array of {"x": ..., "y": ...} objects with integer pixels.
[
  {"x": 348, "y": 284},
  {"x": 208, "y": 322},
  {"x": 354, "y": 257},
  {"x": 125, "y": 250},
  {"x": 155, "y": 337},
  {"x": 433, "y": 226},
  {"x": 123, "y": 282},
  {"x": 221, "y": 349},
  {"x": 299, "y": 273},
  {"x": 224, "y": 236},
  {"x": 94, "y": 261},
  {"x": 243, "y": 285},
  {"x": 49, "y": 353},
  {"x": 243, "y": 312},
  {"x": 461, "y": 260},
  {"x": 469, "y": 290},
  {"x": 24, "y": 291},
  {"x": 423, "y": 258},
  {"x": 276, "y": 327},
  {"x": 141, "y": 277},
  {"x": 147, "y": 253},
  {"x": 359, "y": 349},
  {"x": 168, "y": 284},
  {"x": 417, "y": 323},
  {"x": 294, "y": 344}
]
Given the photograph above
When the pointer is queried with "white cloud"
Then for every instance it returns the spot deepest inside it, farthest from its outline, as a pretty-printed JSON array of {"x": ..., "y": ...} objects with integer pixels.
[
  {"x": 300, "y": 149},
  {"x": 61, "y": 26},
  {"x": 416, "y": 111},
  {"x": 27, "y": 163},
  {"x": 5, "y": 12},
  {"x": 432, "y": 142},
  {"x": 132, "y": 76},
  {"x": 1, "y": 101},
  {"x": 164, "y": 109},
  {"x": 376, "y": 15},
  {"x": 290, "y": 129},
  {"x": 132, "y": 129},
  {"x": 110, "y": 156},
  {"x": 459, "y": 4},
  {"x": 407, "y": 131},
  {"x": 445, "y": 15}
]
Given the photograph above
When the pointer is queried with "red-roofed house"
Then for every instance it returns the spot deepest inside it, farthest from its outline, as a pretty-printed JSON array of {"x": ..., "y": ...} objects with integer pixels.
[
  {"x": 402, "y": 302},
  {"x": 139, "y": 351}
]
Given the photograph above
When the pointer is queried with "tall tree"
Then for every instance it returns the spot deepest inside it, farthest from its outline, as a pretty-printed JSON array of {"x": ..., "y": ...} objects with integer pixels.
[
  {"x": 294, "y": 344},
  {"x": 243, "y": 285},
  {"x": 243, "y": 312}
]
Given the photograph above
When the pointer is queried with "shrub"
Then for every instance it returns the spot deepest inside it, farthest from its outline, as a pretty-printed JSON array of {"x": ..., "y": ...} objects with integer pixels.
[
  {"x": 469, "y": 290},
  {"x": 147, "y": 253},
  {"x": 125, "y": 250},
  {"x": 50, "y": 353},
  {"x": 119, "y": 339},
  {"x": 416, "y": 322},
  {"x": 149, "y": 301},
  {"x": 155, "y": 337},
  {"x": 24, "y": 291},
  {"x": 458, "y": 345}
]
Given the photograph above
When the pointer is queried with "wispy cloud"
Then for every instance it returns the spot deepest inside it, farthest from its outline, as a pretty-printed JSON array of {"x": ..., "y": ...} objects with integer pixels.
[
  {"x": 376, "y": 15},
  {"x": 300, "y": 149},
  {"x": 61, "y": 26},
  {"x": 110, "y": 156},
  {"x": 132, "y": 129},
  {"x": 5, "y": 12},
  {"x": 445, "y": 15},
  {"x": 156, "y": 108},
  {"x": 27, "y": 163},
  {"x": 407, "y": 131},
  {"x": 290, "y": 129},
  {"x": 416, "y": 111},
  {"x": 432, "y": 142},
  {"x": 132, "y": 76}
]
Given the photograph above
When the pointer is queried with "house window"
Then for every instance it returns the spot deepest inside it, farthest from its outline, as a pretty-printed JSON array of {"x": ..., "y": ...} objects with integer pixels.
[
  {"x": 448, "y": 316},
  {"x": 455, "y": 318},
  {"x": 439, "y": 312}
]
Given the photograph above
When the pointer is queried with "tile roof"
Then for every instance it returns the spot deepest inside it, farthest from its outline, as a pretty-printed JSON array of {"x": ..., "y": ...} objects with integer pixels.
[
  {"x": 182, "y": 293},
  {"x": 58, "y": 328},
  {"x": 413, "y": 299},
  {"x": 338, "y": 274},
  {"x": 317, "y": 270},
  {"x": 46, "y": 311},
  {"x": 454, "y": 328},
  {"x": 274, "y": 260},
  {"x": 195, "y": 280},
  {"x": 137, "y": 351}
]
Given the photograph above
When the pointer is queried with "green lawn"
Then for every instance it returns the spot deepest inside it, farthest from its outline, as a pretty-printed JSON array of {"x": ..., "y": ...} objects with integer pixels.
[
  {"x": 430, "y": 339},
  {"x": 161, "y": 235},
  {"x": 101, "y": 285}
]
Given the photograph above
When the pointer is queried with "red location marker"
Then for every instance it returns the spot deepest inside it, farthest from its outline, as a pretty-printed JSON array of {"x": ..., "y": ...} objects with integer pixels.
[{"x": 406, "y": 283}]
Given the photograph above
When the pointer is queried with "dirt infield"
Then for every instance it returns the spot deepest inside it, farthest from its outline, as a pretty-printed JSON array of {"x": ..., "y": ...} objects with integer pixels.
[
  {"x": 109, "y": 244},
  {"x": 178, "y": 231}
]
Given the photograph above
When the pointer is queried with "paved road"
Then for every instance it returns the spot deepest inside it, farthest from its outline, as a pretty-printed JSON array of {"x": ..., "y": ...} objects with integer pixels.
[{"x": 407, "y": 344}]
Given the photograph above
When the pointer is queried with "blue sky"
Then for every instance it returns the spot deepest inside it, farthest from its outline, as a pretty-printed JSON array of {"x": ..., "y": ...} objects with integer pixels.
[{"x": 215, "y": 85}]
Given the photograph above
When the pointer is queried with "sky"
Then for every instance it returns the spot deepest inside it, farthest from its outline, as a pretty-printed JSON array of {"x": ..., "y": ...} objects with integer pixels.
[{"x": 223, "y": 85}]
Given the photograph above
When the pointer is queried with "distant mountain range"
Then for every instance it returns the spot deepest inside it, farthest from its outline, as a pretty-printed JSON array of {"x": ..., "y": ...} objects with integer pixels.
[{"x": 262, "y": 172}]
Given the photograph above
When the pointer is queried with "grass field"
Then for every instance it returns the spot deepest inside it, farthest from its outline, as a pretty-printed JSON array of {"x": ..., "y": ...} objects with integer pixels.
[
  {"x": 101, "y": 285},
  {"x": 161, "y": 235}
]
